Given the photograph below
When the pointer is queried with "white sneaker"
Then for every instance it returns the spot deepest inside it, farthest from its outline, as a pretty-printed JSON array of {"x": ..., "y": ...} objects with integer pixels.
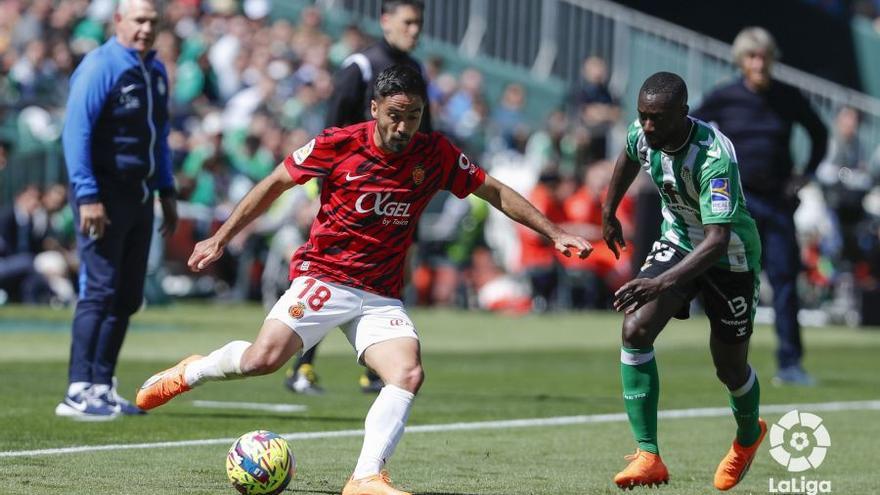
[{"x": 84, "y": 407}]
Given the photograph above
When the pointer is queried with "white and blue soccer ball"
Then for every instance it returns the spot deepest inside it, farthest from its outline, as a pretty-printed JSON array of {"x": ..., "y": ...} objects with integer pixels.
[{"x": 260, "y": 463}]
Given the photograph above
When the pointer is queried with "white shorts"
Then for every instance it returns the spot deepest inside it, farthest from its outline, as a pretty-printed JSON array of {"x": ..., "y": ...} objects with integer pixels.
[{"x": 312, "y": 308}]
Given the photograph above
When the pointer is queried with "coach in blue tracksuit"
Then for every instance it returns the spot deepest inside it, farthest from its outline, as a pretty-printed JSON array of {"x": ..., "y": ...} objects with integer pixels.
[
  {"x": 116, "y": 148},
  {"x": 757, "y": 113}
]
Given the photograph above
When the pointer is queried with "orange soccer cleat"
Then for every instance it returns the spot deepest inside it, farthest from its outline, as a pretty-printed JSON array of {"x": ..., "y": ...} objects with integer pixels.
[
  {"x": 644, "y": 469},
  {"x": 164, "y": 386},
  {"x": 737, "y": 462},
  {"x": 378, "y": 484}
]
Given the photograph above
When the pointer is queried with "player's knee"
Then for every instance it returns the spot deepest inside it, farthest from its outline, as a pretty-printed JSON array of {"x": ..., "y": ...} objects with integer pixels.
[
  {"x": 635, "y": 334},
  {"x": 409, "y": 378}
]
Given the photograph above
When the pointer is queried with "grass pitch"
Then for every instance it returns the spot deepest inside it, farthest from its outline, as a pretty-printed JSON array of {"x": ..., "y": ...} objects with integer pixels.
[{"x": 479, "y": 368}]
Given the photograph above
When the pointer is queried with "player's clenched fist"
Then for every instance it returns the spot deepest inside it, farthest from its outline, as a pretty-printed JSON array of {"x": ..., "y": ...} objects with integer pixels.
[{"x": 205, "y": 253}]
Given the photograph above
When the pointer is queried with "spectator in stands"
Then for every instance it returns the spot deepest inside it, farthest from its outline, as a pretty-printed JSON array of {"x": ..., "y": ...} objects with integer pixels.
[
  {"x": 594, "y": 105},
  {"x": 22, "y": 231},
  {"x": 845, "y": 181},
  {"x": 352, "y": 40},
  {"x": 757, "y": 113},
  {"x": 593, "y": 280},
  {"x": 116, "y": 150},
  {"x": 509, "y": 115},
  {"x": 401, "y": 23},
  {"x": 58, "y": 261},
  {"x": 537, "y": 255}
]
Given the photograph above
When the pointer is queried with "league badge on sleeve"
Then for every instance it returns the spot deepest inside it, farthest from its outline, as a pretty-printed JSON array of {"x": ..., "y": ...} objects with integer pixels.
[
  {"x": 720, "y": 195},
  {"x": 300, "y": 155}
]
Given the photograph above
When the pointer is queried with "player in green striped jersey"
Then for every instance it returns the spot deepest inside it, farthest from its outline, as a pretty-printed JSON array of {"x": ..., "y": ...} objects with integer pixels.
[{"x": 710, "y": 247}]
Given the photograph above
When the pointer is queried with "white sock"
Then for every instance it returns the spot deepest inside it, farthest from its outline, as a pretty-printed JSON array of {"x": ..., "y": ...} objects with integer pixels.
[
  {"x": 383, "y": 428},
  {"x": 222, "y": 364},
  {"x": 77, "y": 388}
]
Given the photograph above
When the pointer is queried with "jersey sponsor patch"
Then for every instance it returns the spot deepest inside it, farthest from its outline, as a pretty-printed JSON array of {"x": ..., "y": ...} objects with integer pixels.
[
  {"x": 720, "y": 195},
  {"x": 300, "y": 155}
]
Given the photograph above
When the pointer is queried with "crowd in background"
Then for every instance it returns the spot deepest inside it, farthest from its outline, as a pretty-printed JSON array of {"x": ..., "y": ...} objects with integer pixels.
[{"x": 247, "y": 90}]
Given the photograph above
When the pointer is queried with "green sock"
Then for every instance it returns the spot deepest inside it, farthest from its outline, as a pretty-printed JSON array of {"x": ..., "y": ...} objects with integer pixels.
[
  {"x": 744, "y": 402},
  {"x": 641, "y": 393}
]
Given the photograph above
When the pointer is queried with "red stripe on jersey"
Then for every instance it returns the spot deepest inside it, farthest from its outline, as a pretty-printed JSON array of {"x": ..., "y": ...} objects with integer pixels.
[{"x": 371, "y": 202}]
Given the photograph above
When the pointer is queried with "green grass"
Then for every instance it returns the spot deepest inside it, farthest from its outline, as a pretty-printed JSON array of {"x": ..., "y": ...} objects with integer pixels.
[{"x": 479, "y": 367}]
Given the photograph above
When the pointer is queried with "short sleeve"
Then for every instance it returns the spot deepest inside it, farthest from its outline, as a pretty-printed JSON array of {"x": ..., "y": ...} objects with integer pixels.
[
  {"x": 720, "y": 191},
  {"x": 632, "y": 140},
  {"x": 314, "y": 159},
  {"x": 461, "y": 175}
]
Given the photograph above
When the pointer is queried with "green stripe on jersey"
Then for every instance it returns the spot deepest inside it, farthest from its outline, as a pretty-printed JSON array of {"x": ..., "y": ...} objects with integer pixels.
[{"x": 699, "y": 186}]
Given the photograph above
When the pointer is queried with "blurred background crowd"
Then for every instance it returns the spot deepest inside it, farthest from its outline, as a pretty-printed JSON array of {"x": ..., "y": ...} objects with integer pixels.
[{"x": 249, "y": 87}]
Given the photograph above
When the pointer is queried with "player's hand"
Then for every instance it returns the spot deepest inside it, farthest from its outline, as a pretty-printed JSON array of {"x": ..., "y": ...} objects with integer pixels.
[
  {"x": 205, "y": 253},
  {"x": 636, "y": 293},
  {"x": 612, "y": 233},
  {"x": 169, "y": 216},
  {"x": 565, "y": 243},
  {"x": 93, "y": 220}
]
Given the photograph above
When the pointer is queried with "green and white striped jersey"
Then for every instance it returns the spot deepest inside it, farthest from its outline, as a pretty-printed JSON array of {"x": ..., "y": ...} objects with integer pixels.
[{"x": 700, "y": 185}]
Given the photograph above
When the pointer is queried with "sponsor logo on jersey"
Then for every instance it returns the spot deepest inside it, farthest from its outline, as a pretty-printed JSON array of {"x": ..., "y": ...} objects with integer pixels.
[
  {"x": 378, "y": 203},
  {"x": 720, "y": 195},
  {"x": 300, "y": 155},
  {"x": 418, "y": 174},
  {"x": 296, "y": 311}
]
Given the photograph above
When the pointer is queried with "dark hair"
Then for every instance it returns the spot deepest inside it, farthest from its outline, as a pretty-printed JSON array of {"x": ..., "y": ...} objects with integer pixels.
[
  {"x": 666, "y": 83},
  {"x": 389, "y": 6},
  {"x": 400, "y": 79}
]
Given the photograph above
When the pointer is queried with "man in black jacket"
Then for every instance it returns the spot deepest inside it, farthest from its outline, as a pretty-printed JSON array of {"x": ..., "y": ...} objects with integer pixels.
[
  {"x": 401, "y": 22},
  {"x": 757, "y": 113}
]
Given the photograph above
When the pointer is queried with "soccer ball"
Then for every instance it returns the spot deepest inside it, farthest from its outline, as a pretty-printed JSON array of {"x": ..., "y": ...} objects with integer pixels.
[{"x": 260, "y": 463}]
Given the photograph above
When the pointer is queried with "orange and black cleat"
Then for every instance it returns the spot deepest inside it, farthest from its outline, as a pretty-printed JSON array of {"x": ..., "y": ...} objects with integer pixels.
[
  {"x": 644, "y": 469},
  {"x": 164, "y": 386},
  {"x": 737, "y": 462}
]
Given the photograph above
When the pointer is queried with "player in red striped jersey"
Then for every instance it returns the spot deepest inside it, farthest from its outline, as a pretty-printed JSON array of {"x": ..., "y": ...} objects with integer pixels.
[{"x": 377, "y": 179}]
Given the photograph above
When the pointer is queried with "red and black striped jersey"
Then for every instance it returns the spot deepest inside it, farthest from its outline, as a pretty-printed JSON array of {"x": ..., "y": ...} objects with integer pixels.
[{"x": 371, "y": 202}]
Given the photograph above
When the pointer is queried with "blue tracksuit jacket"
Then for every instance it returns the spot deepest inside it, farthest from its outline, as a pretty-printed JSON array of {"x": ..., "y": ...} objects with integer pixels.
[{"x": 116, "y": 131}]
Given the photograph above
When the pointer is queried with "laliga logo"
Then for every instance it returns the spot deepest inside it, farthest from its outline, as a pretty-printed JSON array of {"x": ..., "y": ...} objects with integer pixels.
[
  {"x": 800, "y": 453},
  {"x": 799, "y": 441}
]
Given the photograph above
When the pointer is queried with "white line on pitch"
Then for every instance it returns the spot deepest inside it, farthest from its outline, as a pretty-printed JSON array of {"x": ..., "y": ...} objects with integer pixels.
[
  {"x": 253, "y": 406},
  {"x": 709, "y": 412}
]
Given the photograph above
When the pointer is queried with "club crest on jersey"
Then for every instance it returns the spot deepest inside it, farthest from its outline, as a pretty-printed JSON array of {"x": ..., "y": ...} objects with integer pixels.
[
  {"x": 300, "y": 155},
  {"x": 720, "y": 195},
  {"x": 418, "y": 174},
  {"x": 296, "y": 311}
]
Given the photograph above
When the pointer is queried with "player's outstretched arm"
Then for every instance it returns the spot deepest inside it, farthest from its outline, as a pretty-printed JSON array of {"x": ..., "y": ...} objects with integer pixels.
[
  {"x": 625, "y": 171},
  {"x": 512, "y": 204},
  {"x": 250, "y": 207}
]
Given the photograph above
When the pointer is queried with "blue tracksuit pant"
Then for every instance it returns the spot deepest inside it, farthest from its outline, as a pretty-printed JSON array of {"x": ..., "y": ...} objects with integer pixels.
[
  {"x": 781, "y": 262},
  {"x": 111, "y": 287}
]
